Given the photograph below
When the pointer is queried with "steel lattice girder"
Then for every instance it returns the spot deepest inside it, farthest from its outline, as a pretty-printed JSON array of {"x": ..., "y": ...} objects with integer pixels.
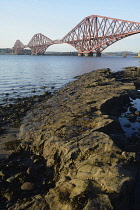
[
  {"x": 18, "y": 47},
  {"x": 39, "y": 43},
  {"x": 96, "y": 33},
  {"x": 93, "y": 34}
]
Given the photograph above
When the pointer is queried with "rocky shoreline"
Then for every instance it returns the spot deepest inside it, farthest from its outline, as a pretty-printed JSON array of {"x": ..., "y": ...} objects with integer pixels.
[
  {"x": 11, "y": 115},
  {"x": 72, "y": 151}
]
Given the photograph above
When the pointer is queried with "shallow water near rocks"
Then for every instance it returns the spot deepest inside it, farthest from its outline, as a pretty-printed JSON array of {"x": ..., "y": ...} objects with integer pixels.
[
  {"x": 24, "y": 75},
  {"x": 130, "y": 126}
]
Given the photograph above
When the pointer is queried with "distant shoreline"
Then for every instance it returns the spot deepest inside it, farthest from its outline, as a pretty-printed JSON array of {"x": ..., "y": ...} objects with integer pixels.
[{"x": 9, "y": 51}]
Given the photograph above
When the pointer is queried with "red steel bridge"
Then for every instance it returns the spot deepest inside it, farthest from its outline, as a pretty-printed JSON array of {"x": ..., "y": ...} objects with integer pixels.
[{"x": 92, "y": 35}]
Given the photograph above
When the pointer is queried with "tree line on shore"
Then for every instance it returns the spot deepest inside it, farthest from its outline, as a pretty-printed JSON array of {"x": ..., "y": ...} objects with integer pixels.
[{"x": 8, "y": 51}]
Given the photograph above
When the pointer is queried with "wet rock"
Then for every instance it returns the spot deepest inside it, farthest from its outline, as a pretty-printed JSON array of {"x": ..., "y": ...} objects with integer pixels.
[
  {"x": 8, "y": 196},
  {"x": 124, "y": 108},
  {"x": 36, "y": 161},
  {"x": 9, "y": 105},
  {"x": 12, "y": 114},
  {"x": 47, "y": 93},
  {"x": 10, "y": 179},
  {"x": 102, "y": 202},
  {"x": 36, "y": 202},
  {"x": 2, "y": 173},
  {"x": 31, "y": 171},
  {"x": 81, "y": 142},
  {"x": 34, "y": 170},
  {"x": 132, "y": 117},
  {"x": 127, "y": 125},
  {"x": 22, "y": 110},
  {"x": 9, "y": 204},
  {"x": 28, "y": 186},
  {"x": 132, "y": 109},
  {"x": 137, "y": 113},
  {"x": 5, "y": 100},
  {"x": 42, "y": 87}
]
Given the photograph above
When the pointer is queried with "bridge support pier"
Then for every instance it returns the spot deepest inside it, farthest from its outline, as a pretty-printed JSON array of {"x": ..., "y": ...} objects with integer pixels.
[
  {"x": 98, "y": 54},
  {"x": 80, "y": 54},
  {"x": 89, "y": 54}
]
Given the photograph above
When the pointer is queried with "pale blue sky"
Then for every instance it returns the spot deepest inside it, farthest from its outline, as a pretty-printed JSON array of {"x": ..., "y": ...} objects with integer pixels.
[{"x": 21, "y": 19}]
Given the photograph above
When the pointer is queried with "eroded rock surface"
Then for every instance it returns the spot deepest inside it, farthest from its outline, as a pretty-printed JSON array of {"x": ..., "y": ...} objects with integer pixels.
[{"x": 78, "y": 133}]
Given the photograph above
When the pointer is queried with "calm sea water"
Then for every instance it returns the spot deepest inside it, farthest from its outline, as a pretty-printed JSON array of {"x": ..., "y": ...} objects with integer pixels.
[{"x": 23, "y": 75}]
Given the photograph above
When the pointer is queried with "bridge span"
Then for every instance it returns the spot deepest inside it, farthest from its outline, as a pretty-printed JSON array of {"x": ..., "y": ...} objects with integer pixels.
[{"x": 92, "y": 35}]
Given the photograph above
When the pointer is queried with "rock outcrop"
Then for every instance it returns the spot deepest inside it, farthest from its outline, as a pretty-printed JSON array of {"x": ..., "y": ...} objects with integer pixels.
[{"x": 78, "y": 134}]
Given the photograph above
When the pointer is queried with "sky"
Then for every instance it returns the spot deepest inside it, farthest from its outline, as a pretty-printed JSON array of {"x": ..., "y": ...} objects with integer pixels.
[{"x": 21, "y": 19}]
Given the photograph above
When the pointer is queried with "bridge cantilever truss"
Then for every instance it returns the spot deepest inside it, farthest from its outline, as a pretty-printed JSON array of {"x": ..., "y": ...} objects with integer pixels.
[
  {"x": 96, "y": 33},
  {"x": 18, "y": 47},
  {"x": 93, "y": 34},
  {"x": 39, "y": 43}
]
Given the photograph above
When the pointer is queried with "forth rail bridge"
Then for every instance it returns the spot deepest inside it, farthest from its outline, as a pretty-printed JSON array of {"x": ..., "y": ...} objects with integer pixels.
[{"x": 92, "y": 35}]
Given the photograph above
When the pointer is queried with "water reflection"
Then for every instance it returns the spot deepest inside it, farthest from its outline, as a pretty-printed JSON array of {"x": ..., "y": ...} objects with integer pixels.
[{"x": 130, "y": 120}]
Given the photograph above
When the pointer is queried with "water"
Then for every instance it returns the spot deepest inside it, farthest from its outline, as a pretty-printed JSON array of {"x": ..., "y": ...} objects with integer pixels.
[
  {"x": 134, "y": 126},
  {"x": 23, "y": 75}
]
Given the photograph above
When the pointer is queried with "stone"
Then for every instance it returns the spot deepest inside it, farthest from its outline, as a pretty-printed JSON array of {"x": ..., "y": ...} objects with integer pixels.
[
  {"x": 132, "y": 109},
  {"x": 10, "y": 179},
  {"x": 28, "y": 186},
  {"x": 42, "y": 87},
  {"x": 8, "y": 196},
  {"x": 132, "y": 117},
  {"x": 78, "y": 135},
  {"x": 137, "y": 113},
  {"x": 2, "y": 174},
  {"x": 102, "y": 202},
  {"x": 9, "y": 204},
  {"x": 127, "y": 125},
  {"x": 31, "y": 171}
]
